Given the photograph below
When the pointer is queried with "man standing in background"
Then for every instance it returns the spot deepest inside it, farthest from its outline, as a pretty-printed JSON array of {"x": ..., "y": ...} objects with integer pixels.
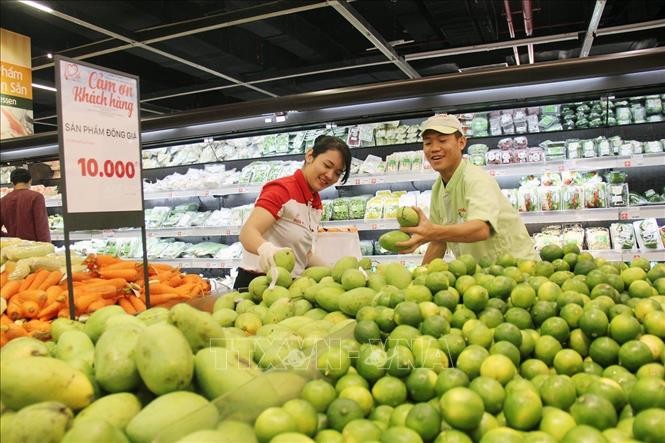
[{"x": 23, "y": 212}]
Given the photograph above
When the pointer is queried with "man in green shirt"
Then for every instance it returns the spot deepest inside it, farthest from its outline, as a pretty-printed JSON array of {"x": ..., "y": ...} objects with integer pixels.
[{"x": 468, "y": 212}]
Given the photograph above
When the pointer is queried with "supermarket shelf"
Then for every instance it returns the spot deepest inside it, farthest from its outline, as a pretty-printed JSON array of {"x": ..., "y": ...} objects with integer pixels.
[
  {"x": 404, "y": 259},
  {"x": 509, "y": 170},
  {"x": 166, "y": 232},
  {"x": 583, "y": 215},
  {"x": 199, "y": 263}
]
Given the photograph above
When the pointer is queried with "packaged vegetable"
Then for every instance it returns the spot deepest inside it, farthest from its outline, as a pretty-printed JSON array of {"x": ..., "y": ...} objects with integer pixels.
[
  {"x": 550, "y": 179},
  {"x": 340, "y": 209},
  {"x": 374, "y": 208},
  {"x": 573, "y": 234},
  {"x": 357, "y": 206},
  {"x": 648, "y": 234},
  {"x": 390, "y": 206},
  {"x": 572, "y": 197},
  {"x": 511, "y": 196},
  {"x": 653, "y": 104},
  {"x": 623, "y": 236},
  {"x": 528, "y": 199},
  {"x": 595, "y": 195},
  {"x": 550, "y": 198},
  {"x": 598, "y": 238},
  {"x": 541, "y": 240}
]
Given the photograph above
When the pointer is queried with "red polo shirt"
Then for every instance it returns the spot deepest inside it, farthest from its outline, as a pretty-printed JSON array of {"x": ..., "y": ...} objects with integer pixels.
[{"x": 23, "y": 214}]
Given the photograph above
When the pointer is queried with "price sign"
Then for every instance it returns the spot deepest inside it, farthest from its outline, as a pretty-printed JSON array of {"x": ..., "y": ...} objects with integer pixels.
[
  {"x": 357, "y": 181},
  {"x": 492, "y": 172},
  {"x": 101, "y": 149}
]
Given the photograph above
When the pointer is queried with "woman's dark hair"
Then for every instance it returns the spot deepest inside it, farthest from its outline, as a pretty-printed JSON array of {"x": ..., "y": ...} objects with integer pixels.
[
  {"x": 324, "y": 143},
  {"x": 20, "y": 175}
]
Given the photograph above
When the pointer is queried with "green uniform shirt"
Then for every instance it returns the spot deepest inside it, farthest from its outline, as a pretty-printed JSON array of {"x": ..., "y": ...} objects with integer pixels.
[{"x": 472, "y": 194}]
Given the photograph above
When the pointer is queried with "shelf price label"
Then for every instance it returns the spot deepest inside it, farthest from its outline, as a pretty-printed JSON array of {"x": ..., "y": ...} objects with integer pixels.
[
  {"x": 99, "y": 131},
  {"x": 630, "y": 214}
]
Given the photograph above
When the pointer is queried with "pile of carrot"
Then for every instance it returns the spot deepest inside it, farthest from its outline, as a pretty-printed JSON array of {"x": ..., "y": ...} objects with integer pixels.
[{"x": 43, "y": 295}]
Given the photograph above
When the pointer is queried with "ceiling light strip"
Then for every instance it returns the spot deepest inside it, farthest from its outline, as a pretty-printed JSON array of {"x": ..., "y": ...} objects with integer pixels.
[
  {"x": 366, "y": 29},
  {"x": 593, "y": 27},
  {"x": 165, "y": 54}
]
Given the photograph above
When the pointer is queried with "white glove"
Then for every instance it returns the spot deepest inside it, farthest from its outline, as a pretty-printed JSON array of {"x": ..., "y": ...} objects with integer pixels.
[{"x": 267, "y": 253}]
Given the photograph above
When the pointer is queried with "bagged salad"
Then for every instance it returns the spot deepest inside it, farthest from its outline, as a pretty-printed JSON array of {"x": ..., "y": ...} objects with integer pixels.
[
  {"x": 623, "y": 236},
  {"x": 598, "y": 238},
  {"x": 648, "y": 234}
]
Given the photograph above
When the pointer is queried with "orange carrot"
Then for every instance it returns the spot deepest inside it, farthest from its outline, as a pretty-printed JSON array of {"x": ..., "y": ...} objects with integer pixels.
[
  {"x": 52, "y": 280},
  {"x": 127, "y": 274},
  {"x": 15, "y": 331},
  {"x": 53, "y": 294},
  {"x": 38, "y": 329},
  {"x": 49, "y": 311},
  {"x": 102, "y": 291},
  {"x": 14, "y": 310},
  {"x": 4, "y": 278},
  {"x": 40, "y": 277},
  {"x": 84, "y": 300},
  {"x": 5, "y": 320},
  {"x": 30, "y": 309},
  {"x": 137, "y": 303},
  {"x": 36, "y": 295},
  {"x": 126, "y": 305},
  {"x": 25, "y": 284},
  {"x": 10, "y": 289},
  {"x": 158, "y": 299},
  {"x": 176, "y": 280},
  {"x": 120, "y": 265},
  {"x": 160, "y": 288},
  {"x": 99, "y": 304},
  {"x": 105, "y": 260},
  {"x": 63, "y": 312},
  {"x": 81, "y": 276}
]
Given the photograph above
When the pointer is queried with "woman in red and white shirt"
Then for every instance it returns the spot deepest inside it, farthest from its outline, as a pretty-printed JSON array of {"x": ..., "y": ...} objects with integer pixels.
[{"x": 288, "y": 211}]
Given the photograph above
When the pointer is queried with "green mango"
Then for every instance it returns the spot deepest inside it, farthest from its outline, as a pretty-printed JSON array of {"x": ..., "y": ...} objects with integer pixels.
[
  {"x": 94, "y": 429},
  {"x": 115, "y": 366},
  {"x": 117, "y": 409},
  {"x": 198, "y": 327},
  {"x": 94, "y": 326},
  {"x": 44, "y": 422},
  {"x": 220, "y": 370},
  {"x": 24, "y": 347}
]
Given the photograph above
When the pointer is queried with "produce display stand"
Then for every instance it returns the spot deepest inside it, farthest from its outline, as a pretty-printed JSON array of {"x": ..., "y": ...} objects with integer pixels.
[
  {"x": 272, "y": 388},
  {"x": 87, "y": 129}
]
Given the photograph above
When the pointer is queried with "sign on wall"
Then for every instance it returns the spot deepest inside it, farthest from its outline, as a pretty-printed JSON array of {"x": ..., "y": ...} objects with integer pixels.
[
  {"x": 100, "y": 144},
  {"x": 16, "y": 95}
]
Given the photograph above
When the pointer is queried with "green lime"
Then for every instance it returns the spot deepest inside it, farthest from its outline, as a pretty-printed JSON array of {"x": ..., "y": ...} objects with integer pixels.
[
  {"x": 546, "y": 348},
  {"x": 349, "y": 380},
  {"x": 453, "y": 436},
  {"x": 420, "y": 384},
  {"x": 551, "y": 252},
  {"x": 508, "y": 332},
  {"x": 610, "y": 390},
  {"x": 400, "y": 434},
  {"x": 450, "y": 378},
  {"x": 470, "y": 360},
  {"x": 475, "y": 297},
  {"x": 334, "y": 363},
  {"x": 491, "y": 392},
  {"x": 648, "y": 392},
  {"x": 273, "y": 421},
  {"x": 360, "y": 430},
  {"x": 389, "y": 391},
  {"x": 579, "y": 342},
  {"x": 593, "y": 410},
  {"x": 398, "y": 417},
  {"x": 400, "y": 361},
  {"x": 519, "y": 317},
  {"x": 543, "y": 310},
  {"x": 624, "y": 328},
  {"x": 556, "y": 327},
  {"x": 649, "y": 426},
  {"x": 523, "y": 296},
  {"x": 341, "y": 411},
  {"x": 508, "y": 349},
  {"x": 360, "y": 395},
  {"x": 402, "y": 335},
  {"x": 372, "y": 362},
  {"x": 556, "y": 422},
  {"x": 522, "y": 408},
  {"x": 583, "y": 433},
  {"x": 604, "y": 351},
  {"x": 319, "y": 394},
  {"x": 425, "y": 420},
  {"x": 462, "y": 408},
  {"x": 558, "y": 391},
  {"x": 634, "y": 354},
  {"x": 533, "y": 367},
  {"x": 408, "y": 313},
  {"x": 571, "y": 313},
  {"x": 329, "y": 436},
  {"x": 436, "y": 326},
  {"x": 594, "y": 323},
  {"x": 568, "y": 362},
  {"x": 491, "y": 317},
  {"x": 654, "y": 323},
  {"x": 381, "y": 413},
  {"x": 367, "y": 331},
  {"x": 498, "y": 367},
  {"x": 452, "y": 345},
  {"x": 303, "y": 414}
]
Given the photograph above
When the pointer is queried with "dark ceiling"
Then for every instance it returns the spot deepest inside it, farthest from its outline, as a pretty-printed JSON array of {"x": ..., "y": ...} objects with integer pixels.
[{"x": 193, "y": 54}]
